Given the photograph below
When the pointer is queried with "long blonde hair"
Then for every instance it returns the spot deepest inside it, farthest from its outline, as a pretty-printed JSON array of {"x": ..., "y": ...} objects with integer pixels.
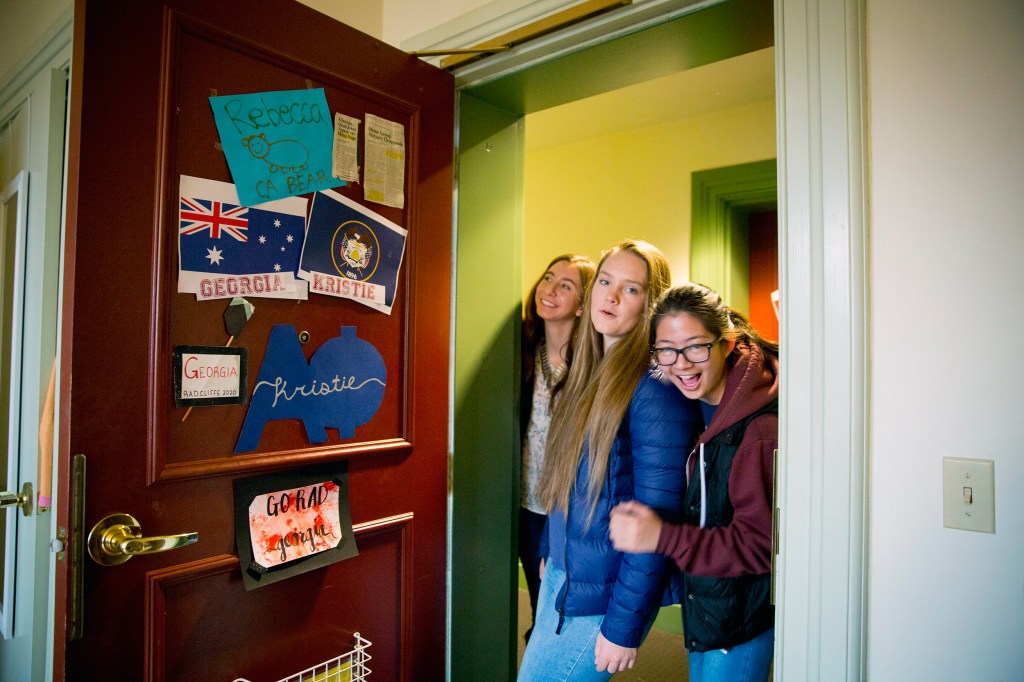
[{"x": 598, "y": 389}]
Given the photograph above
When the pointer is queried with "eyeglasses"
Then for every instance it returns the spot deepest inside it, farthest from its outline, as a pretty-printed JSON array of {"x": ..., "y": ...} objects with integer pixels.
[{"x": 699, "y": 352}]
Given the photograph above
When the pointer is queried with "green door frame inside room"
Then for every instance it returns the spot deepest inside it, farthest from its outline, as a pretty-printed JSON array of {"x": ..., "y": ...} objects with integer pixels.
[
  {"x": 484, "y": 469},
  {"x": 722, "y": 200}
]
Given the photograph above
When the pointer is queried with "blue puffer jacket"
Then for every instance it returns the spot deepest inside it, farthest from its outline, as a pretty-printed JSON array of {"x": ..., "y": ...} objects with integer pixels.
[{"x": 646, "y": 463}]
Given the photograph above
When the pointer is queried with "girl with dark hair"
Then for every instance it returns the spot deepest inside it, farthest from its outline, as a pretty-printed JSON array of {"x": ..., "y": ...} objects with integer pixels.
[
  {"x": 723, "y": 544},
  {"x": 550, "y": 319},
  {"x": 618, "y": 432}
]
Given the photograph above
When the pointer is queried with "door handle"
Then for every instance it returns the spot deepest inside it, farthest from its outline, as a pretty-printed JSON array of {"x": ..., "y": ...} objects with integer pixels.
[
  {"x": 116, "y": 538},
  {"x": 16, "y": 499}
]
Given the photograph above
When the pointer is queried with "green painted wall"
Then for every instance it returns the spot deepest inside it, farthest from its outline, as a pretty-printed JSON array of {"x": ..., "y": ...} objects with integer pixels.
[
  {"x": 485, "y": 455},
  {"x": 717, "y": 32}
]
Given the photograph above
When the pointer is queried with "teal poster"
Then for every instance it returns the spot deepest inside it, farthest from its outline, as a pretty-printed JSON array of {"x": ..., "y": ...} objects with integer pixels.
[{"x": 278, "y": 144}]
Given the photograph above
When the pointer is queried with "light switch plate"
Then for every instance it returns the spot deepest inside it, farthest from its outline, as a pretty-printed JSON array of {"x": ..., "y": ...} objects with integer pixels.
[{"x": 968, "y": 494}]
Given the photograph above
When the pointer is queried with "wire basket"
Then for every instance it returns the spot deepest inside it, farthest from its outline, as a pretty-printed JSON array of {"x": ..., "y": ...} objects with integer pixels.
[{"x": 348, "y": 667}]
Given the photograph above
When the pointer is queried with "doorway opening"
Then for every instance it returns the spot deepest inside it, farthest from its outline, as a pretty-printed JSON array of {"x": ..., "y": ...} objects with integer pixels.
[
  {"x": 547, "y": 166},
  {"x": 735, "y": 239}
]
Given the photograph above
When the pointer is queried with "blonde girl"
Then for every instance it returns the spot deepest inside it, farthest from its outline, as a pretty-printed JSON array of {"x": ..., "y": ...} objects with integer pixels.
[{"x": 618, "y": 432}]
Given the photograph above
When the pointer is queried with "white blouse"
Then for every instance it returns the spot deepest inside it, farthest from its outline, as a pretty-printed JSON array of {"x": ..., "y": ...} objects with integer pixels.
[{"x": 537, "y": 429}]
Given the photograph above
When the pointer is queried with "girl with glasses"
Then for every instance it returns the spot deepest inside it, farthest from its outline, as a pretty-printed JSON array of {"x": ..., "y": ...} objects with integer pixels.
[
  {"x": 618, "y": 432},
  {"x": 723, "y": 543},
  {"x": 551, "y": 316}
]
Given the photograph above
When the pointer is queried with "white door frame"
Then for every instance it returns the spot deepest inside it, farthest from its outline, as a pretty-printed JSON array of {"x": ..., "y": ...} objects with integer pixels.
[
  {"x": 821, "y": 132},
  {"x": 820, "y": 99},
  {"x": 37, "y": 86}
]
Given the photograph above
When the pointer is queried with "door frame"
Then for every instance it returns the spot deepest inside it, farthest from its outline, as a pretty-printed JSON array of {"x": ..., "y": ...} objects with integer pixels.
[
  {"x": 821, "y": 132},
  {"x": 721, "y": 200},
  {"x": 484, "y": 465},
  {"x": 822, "y": 139},
  {"x": 39, "y": 83}
]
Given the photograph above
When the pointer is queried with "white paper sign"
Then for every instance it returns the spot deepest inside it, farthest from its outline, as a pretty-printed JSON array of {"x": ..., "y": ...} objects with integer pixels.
[
  {"x": 384, "y": 179},
  {"x": 210, "y": 376},
  {"x": 344, "y": 158}
]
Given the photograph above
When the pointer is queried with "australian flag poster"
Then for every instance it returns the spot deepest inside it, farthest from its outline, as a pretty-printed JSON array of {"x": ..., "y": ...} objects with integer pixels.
[
  {"x": 227, "y": 250},
  {"x": 351, "y": 252}
]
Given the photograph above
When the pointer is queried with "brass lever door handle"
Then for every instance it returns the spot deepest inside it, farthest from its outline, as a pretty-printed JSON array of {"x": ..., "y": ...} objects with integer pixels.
[
  {"x": 116, "y": 538},
  {"x": 16, "y": 499}
]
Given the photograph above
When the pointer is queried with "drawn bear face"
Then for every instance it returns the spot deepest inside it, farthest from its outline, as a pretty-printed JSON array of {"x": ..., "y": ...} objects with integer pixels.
[{"x": 257, "y": 145}]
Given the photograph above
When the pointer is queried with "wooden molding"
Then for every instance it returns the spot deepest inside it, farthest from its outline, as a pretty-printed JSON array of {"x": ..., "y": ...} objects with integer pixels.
[{"x": 534, "y": 29}]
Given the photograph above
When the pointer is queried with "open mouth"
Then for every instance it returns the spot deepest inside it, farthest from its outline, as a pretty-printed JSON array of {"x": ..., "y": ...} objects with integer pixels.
[{"x": 689, "y": 382}]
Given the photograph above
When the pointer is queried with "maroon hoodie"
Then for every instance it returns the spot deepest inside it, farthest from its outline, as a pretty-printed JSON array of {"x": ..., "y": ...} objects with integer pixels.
[{"x": 743, "y": 547}]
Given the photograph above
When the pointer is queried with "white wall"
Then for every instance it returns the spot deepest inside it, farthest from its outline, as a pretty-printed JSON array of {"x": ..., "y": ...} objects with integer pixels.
[
  {"x": 22, "y": 24},
  {"x": 364, "y": 15},
  {"x": 404, "y": 19},
  {"x": 417, "y": 25},
  {"x": 946, "y": 114}
]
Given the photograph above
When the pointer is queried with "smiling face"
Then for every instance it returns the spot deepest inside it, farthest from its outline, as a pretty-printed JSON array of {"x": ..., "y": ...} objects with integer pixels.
[
  {"x": 558, "y": 293},
  {"x": 697, "y": 380},
  {"x": 619, "y": 296}
]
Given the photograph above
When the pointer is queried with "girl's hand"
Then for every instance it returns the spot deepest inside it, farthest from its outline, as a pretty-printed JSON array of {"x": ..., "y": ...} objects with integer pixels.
[
  {"x": 634, "y": 527},
  {"x": 612, "y": 657}
]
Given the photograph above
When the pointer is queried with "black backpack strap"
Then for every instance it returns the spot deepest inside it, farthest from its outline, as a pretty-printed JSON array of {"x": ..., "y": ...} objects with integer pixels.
[{"x": 733, "y": 434}]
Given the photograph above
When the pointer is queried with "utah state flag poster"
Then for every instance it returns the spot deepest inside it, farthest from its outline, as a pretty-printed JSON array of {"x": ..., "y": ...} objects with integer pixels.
[{"x": 352, "y": 252}]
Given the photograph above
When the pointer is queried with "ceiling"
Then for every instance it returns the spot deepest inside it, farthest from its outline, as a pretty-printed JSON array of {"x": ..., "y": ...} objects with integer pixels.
[{"x": 723, "y": 84}]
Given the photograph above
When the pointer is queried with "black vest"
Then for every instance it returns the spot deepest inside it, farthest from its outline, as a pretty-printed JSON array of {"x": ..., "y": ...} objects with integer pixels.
[{"x": 720, "y": 613}]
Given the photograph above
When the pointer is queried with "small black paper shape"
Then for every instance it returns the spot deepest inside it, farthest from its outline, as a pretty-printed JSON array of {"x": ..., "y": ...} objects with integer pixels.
[{"x": 236, "y": 315}]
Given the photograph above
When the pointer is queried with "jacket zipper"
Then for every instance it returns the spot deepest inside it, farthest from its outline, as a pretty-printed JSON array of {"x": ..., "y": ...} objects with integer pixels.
[{"x": 565, "y": 561}]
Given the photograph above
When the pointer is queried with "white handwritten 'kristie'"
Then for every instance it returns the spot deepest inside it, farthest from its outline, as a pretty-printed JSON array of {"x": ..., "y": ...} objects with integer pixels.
[{"x": 337, "y": 385}]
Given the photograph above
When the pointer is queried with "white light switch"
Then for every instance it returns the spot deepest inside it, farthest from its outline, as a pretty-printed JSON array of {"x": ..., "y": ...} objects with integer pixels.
[{"x": 968, "y": 494}]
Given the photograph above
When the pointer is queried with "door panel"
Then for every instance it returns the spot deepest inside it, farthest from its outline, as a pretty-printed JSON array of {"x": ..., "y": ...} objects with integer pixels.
[
  {"x": 179, "y": 596},
  {"x": 141, "y": 118},
  {"x": 202, "y": 59}
]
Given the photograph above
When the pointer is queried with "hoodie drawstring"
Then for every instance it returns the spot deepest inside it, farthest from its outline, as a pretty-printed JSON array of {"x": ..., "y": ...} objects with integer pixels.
[{"x": 703, "y": 489}]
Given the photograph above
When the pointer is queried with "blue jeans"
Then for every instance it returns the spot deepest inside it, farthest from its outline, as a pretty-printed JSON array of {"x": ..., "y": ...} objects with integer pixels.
[
  {"x": 748, "y": 662},
  {"x": 565, "y": 656}
]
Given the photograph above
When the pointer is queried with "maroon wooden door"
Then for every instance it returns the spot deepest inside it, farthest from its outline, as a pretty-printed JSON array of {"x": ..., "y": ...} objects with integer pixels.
[{"x": 142, "y": 75}]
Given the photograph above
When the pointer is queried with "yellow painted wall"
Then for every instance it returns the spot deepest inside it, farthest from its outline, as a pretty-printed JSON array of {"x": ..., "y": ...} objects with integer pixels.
[{"x": 587, "y": 195}]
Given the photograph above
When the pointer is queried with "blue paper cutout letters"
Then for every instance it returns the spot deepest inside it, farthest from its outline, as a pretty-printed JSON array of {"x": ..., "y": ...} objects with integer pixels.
[{"x": 341, "y": 387}]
